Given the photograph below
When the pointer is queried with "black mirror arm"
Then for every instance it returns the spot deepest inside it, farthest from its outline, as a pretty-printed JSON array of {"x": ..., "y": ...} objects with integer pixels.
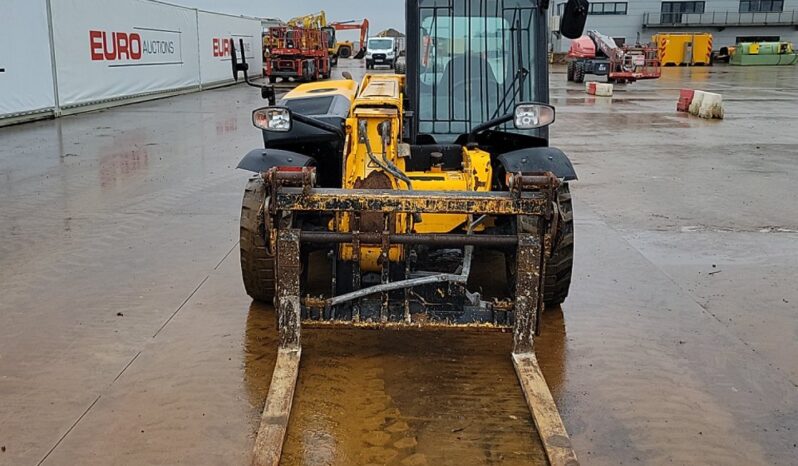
[
  {"x": 245, "y": 65},
  {"x": 472, "y": 135},
  {"x": 267, "y": 92},
  {"x": 318, "y": 124}
]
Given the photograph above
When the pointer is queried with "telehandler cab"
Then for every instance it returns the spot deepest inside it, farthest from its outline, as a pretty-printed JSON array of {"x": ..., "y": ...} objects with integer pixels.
[{"x": 383, "y": 175}]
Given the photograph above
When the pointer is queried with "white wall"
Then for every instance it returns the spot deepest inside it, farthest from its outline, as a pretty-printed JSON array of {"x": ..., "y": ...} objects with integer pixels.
[
  {"x": 92, "y": 53},
  {"x": 26, "y": 82},
  {"x": 215, "y": 31},
  {"x": 106, "y": 50}
]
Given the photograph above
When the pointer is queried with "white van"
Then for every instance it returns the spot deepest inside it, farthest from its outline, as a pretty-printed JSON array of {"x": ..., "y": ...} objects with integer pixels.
[{"x": 381, "y": 51}]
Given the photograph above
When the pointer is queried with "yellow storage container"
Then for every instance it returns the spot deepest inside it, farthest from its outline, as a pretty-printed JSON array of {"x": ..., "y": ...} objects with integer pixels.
[{"x": 684, "y": 48}]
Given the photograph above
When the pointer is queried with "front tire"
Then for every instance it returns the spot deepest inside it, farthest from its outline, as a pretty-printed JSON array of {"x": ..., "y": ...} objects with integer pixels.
[
  {"x": 579, "y": 72},
  {"x": 257, "y": 263},
  {"x": 557, "y": 281},
  {"x": 570, "y": 71}
]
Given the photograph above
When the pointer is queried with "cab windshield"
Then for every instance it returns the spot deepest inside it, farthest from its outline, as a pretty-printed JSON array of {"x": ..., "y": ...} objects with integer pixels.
[
  {"x": 380, "y": 44},
  {"x": 476, "y": 62},
  {"x": 330, "y": 36}
]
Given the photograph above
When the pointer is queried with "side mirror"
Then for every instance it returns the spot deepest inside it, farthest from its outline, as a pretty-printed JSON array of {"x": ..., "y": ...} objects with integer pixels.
[
  {"x": 533, "y": 115},
  {"x": 574, "y": 17},
  {"x": 276, "y": 119}
]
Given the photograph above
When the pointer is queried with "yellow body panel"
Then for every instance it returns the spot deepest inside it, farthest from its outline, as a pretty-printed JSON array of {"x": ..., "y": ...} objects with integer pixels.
[
  {"x": 475, "y": 176},
  {"x": 377, "y": 102},
  {"x": 441, "y": 181},
  {"x": 345, "y": 87}
]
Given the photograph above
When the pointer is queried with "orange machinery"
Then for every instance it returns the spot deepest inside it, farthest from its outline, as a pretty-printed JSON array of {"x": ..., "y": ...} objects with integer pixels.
[
  {"x": 297, "y": 53},
  {"x": 344, "y": 48}
]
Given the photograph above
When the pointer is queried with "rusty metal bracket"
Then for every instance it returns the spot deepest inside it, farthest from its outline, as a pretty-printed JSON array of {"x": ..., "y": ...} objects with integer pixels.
[
  {"x": 376, "y": 200},
  {"x": 527, "y": 291},
  {"x": 355, "y": 225},
  {"x": 385, "y": 264},
  {"x": 277, "y": 408},
  {"x": 288, "y": 273}
]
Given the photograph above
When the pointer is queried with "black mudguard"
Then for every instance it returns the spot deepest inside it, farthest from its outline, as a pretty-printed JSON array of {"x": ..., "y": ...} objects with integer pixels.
[
  {"x": 261, "y": 160},
  {"x": 539, "y": 159}
]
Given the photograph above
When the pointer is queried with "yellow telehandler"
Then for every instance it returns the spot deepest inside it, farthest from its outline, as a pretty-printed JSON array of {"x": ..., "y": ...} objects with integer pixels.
[{"x": 381, "y": 176}]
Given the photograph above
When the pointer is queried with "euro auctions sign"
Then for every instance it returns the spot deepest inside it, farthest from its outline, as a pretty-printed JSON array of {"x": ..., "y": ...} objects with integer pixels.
[
  {"x": 218, "y": 34},
  {"x": 221, "y": 46},
  {"x": 140, "y": 46},
  {"x": 109, "y": 50}
]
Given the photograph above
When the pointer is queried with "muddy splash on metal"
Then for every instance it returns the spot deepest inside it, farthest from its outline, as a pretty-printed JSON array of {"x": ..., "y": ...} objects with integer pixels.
[{"x": 400, "y": 396}]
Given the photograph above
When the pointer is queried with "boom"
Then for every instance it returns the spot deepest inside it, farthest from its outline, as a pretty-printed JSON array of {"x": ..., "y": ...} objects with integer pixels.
[
  {"x": 352, "y": 25},
  {"x": 312, "y": 21},
  {"x": 605, "y": 44}
]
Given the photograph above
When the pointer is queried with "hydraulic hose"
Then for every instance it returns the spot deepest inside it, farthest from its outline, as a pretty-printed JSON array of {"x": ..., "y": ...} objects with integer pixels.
[
  {"x": 459, "y": 277},
  {"x": 385, "y": 164}
]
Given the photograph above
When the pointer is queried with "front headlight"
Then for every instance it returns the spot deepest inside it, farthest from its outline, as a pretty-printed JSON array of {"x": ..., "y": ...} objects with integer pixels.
[
  {"x": 272, "y": 119},
  {"x": 531, "y": 116}
]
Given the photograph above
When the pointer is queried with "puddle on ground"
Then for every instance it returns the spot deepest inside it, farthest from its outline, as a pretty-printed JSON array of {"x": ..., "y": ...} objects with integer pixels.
[{"x": 410, "y": 397}]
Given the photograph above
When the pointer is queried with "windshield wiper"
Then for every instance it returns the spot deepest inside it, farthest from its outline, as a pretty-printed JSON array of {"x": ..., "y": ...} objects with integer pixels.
[
  {"x": 520, "y": 78},
  {"x": 520, "y": 75}
]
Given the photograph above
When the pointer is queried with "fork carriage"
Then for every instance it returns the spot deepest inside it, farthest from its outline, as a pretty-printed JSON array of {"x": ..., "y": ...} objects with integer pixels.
[
  {"x": 394, "y": 302},
  {"x": 531, "y": 201}
]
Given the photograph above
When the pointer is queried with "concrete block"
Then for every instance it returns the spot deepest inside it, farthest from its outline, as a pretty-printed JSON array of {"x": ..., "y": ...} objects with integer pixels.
[
  {"x": 598, "y": 89},
  {"x": 695, "y": 105},
  {"x": 604, "y": 89},
  {"x": 711, "y": 106},
  {"x": 685, "y": 99}
]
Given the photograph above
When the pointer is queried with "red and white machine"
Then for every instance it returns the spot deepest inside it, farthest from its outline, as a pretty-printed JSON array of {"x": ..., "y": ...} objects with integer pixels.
[
  {"x": 598, "y": 54},
  {"x": 296, "y": 53}
]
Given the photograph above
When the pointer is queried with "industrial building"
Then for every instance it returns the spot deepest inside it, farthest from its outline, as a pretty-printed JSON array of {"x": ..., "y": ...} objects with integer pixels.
[{"x": 729, "y": 21}]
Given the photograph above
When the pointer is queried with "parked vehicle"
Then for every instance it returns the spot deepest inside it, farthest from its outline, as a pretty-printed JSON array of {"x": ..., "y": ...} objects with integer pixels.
[
  {"x": 598, "y": 54},
  {"x": 381, "y": 51}
]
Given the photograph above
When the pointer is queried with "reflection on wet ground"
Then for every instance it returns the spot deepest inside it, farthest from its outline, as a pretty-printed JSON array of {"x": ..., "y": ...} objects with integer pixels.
[
  {"x": 126, "y": 336},
  {"x": 403, "y": 396}
]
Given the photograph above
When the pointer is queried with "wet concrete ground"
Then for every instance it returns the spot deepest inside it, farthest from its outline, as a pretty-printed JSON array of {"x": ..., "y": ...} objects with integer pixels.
[{"x": 126, "y": 336}]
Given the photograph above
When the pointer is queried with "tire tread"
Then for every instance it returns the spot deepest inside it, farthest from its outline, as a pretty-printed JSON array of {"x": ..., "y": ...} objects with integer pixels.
[
  {"x": 559, "y": 267},
  {"x": 257, "y": 264}
]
